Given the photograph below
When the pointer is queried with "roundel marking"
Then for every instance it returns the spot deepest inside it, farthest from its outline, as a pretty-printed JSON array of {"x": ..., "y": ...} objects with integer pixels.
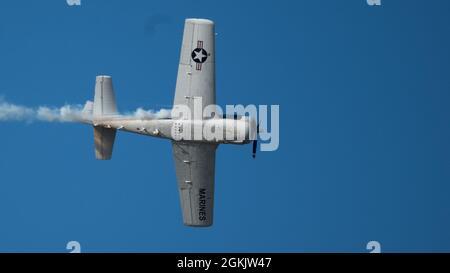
[{"x": 199, "y": 55}]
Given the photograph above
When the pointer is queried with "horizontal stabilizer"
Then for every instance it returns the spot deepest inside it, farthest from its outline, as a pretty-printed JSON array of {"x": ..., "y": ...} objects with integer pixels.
[
  {"x": 104, "y": 141},
  {"x": 104, "y": 99}
]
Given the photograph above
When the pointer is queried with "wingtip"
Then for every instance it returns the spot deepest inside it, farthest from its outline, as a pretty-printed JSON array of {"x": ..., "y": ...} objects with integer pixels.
[
  {"x": 198, "y": 225},
  {"x": 199, "y": 21}
]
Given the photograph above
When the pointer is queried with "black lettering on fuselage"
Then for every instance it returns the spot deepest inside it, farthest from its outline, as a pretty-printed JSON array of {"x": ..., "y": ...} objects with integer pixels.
[{"x": 202, "y": 205}]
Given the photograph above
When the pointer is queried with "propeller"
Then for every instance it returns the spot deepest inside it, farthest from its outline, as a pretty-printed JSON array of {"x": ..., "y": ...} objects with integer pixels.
[{"x": 255, "y": 142}]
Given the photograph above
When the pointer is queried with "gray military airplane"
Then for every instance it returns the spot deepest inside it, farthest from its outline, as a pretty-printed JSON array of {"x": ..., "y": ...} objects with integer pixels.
[{"x": 194, "y": 157}]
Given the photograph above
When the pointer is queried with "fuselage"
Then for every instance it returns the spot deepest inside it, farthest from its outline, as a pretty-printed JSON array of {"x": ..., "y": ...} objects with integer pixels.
[{"x": 238, "y": 130}]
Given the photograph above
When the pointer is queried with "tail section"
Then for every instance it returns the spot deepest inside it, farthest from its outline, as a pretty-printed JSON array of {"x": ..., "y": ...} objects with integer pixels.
[
  {"x": 104, "y": 107},
  {"x": 104, "y": 99},
  {"x": 104, "y": 142}
]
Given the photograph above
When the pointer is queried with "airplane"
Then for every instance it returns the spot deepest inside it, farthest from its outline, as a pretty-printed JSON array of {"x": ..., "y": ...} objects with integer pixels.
[{"x": 194, "y": 157}]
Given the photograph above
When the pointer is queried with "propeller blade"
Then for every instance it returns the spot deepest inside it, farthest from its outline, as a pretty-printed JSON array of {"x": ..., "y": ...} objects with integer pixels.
[{"x": 255, "y": 142}]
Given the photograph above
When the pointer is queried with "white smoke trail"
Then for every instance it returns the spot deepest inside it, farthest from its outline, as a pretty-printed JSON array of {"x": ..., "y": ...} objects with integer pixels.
[
  {"x": 151, "y": 114},
  {"x": 66, "y": 113},
  {"x": 14, "y": 112}
]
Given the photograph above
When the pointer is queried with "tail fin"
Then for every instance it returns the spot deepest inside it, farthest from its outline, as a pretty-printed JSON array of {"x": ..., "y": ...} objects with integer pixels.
[{"x": 104, "y": 106}]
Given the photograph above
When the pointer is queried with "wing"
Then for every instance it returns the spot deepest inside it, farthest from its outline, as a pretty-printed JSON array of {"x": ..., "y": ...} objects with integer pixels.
[
  {"x": 195, "y": 168},
  {"x": 196, "y": 71}
]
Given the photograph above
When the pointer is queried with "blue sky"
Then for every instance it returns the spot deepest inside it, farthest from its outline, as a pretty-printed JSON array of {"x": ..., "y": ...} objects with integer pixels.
[{"x": 364, "y": 126}]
